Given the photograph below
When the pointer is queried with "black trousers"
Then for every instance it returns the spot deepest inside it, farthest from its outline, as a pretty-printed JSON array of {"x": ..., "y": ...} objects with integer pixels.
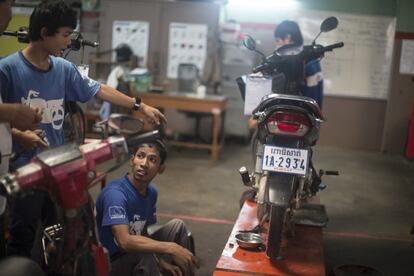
[
  {"x": 145, "y": 264},
  {"x": 27, "y": 211}
]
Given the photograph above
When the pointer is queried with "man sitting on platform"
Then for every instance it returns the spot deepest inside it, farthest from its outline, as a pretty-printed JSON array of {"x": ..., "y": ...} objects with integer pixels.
[{"x": 125, "y": 209}]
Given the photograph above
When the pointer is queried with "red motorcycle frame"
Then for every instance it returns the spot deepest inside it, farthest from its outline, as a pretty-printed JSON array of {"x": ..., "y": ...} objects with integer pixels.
[{"x": 67, "y": 173}]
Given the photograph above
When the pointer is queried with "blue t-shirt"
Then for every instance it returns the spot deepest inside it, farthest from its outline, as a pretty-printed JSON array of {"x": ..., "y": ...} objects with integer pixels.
[
  {"x": 314, "y": 81},
  {"x": 21, "y": 82},
  {"x": 121, "y": 203}
]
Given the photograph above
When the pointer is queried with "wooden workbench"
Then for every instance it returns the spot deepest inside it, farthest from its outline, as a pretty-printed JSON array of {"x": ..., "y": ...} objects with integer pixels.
[
  {"x": 216, "y": 105},
  {"x": 301, "y": 256}
]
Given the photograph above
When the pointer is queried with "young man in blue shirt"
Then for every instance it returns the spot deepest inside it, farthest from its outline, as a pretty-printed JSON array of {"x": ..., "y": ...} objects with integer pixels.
[
  {"x": 125, "y": 209},
  {"x": 18, "y": 115},
  {"x": 39, "y": 78}
]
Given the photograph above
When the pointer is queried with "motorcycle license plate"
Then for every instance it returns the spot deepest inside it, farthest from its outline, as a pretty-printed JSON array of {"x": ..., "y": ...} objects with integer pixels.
[{"x": 285, "y": 160}]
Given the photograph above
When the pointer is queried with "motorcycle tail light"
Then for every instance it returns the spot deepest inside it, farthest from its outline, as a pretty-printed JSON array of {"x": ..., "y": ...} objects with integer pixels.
[{"x": 288, "y": 124}]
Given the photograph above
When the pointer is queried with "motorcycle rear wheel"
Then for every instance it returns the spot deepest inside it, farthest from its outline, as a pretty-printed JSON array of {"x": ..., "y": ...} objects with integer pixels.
[{"x": 275, "y": 231}]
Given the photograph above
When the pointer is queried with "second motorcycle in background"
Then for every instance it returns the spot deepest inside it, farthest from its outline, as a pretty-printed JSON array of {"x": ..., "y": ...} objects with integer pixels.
[{"x": 288, "y": 126}]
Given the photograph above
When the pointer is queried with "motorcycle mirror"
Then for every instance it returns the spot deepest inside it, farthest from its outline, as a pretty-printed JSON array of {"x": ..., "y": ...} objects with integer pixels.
[
  {"x": 329, "y": 24},
  {"x": 249, "y": 42},
  {"x": 125, "y": 124}
]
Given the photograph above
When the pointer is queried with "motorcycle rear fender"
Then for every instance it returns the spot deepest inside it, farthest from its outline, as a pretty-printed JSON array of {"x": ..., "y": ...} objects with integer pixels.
[{"x": 281, "y": 188}]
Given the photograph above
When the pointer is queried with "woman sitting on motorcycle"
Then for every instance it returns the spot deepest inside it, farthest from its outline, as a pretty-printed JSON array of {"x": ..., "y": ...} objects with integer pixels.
[{"x": 288, "y": 32}]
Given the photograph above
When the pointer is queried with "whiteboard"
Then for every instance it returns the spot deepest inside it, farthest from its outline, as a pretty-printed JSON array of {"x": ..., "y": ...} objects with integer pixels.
[{"x": 362, "y": 68}]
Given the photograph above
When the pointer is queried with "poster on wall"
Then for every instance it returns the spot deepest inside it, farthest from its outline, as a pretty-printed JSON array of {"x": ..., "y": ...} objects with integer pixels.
[
  {"x": 135, "y": 34},
  {"x": 187, "y": 44},
  {"x": 407, "y": 57}
]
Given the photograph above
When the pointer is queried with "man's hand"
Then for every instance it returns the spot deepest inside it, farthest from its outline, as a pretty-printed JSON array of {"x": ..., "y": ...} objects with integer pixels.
[
  {"x": 181, "y": 257},
  {"x": 24, "y": 117},
  {"x": 30, "y": 139},
  {"x": 153, "y": 114},
  {"x": 184, "y": 259},
  {"x": 169, "y": 269},
  {"x": 116, "y": 97}
]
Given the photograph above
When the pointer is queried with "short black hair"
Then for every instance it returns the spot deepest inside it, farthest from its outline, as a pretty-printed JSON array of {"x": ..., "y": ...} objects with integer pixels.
[
  {"x": 159, "y": 145},
  {"x": 287, "y": 27},
  {"x": 51, "y": 14}
]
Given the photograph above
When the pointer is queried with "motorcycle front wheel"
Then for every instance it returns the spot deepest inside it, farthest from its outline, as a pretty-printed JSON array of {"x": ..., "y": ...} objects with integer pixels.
[{"x": 275, "y": 230}]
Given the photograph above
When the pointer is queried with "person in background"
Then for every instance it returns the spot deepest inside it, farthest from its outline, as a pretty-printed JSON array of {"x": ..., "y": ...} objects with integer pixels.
[
  {"x": 124, "y": 210},
  {"x": 288, "y": 32},
  {"x": 38, "y": 77},
  {"x": 19, "y": 116}
]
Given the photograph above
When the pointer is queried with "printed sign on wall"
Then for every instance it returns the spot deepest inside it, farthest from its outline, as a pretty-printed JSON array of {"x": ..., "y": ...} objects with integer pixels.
[
  {"x": 407, "y": 57},
  {"x": 187, "y": 44},
  {"x": 135, "y": 34}
]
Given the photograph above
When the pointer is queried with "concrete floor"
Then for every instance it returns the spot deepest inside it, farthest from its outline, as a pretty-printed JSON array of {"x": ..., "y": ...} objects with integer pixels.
[{"x": 370, "y": 205}]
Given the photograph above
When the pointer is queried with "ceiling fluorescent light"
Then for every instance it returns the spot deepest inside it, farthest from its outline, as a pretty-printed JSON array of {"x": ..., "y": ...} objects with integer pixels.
[{"x": 263, "y": 4}]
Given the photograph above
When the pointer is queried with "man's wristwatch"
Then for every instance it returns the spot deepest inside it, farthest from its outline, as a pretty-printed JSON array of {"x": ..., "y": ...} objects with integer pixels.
[{"x": 137, "y": 104}]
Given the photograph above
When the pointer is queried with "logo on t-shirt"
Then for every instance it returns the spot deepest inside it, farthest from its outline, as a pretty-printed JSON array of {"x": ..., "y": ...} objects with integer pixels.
[
  {"x": 136, "y": 225},
  {"x": 53, "y": 110},
  {"x": 117, "y": 212}
]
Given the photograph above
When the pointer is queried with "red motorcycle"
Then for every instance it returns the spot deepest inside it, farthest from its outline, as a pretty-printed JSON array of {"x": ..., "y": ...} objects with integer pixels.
[{"x": 71, "y": 247}]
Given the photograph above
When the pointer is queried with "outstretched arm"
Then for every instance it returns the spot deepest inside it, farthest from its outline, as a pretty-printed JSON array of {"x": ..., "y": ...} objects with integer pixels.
[{"x": 116, "y": 97}]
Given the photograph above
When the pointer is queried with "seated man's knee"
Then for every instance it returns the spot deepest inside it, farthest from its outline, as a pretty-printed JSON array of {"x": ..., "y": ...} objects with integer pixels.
[
  {"x": 184, "y": 234},
  {"x": 177, "y": 224}
]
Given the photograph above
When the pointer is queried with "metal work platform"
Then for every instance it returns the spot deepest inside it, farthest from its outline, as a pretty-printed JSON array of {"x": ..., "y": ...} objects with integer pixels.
[{"x": 303, "y": 255}]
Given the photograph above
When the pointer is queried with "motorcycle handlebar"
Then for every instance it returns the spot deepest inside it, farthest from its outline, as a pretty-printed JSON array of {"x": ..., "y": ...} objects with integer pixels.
[
  {"x": 76, "y": 43},
  {"x": 93, "y": 44},
  {"x": 262, "y": 67},
  {"x": 309, "y": 53},
  {"x": 8, "y": 33},
  {"x": 318, "y": 51},
  {"x": 22, "y": 35},
  {"x": 333, "y": 46},
  {"x": 146, "y": 137}
]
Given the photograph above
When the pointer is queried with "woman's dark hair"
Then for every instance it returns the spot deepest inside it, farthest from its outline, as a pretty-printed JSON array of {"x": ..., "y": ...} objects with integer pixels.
[
  {"x": 287, "y": 27},
  {"x": 51, "y": 14},
  {"x": 159, "y": 145}
]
